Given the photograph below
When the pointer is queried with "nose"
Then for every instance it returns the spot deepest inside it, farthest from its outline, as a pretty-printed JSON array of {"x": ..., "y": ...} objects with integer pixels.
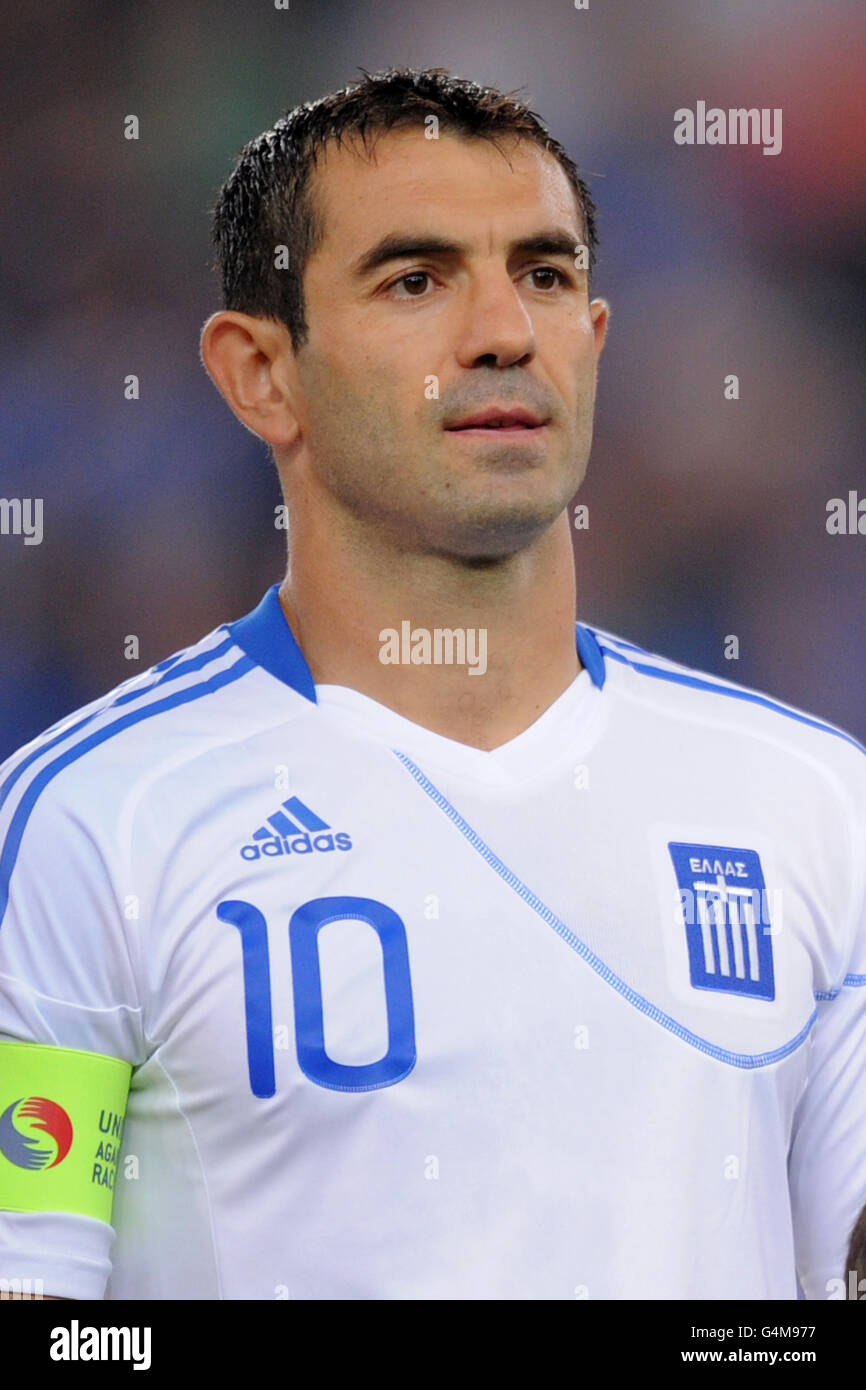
[{"x": 496, "y": 328}]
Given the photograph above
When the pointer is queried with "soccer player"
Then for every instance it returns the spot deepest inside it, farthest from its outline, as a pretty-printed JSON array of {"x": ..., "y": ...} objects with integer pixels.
[{"x": 432, "y": 944}]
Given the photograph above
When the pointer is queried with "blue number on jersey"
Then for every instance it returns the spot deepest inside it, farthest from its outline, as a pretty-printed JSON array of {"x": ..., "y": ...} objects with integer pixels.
[
  {"x": 253, "y": 928},
  {"x": 304, "y": 928},
  {"x": 314, "y": 1061}
]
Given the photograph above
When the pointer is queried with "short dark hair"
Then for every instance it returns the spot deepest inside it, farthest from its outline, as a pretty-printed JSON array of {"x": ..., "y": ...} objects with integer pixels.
[{"x": 266, "y": 201}]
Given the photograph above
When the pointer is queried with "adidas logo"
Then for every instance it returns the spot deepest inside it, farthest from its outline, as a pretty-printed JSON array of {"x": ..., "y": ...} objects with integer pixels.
[{"x": 294, "y": 829}]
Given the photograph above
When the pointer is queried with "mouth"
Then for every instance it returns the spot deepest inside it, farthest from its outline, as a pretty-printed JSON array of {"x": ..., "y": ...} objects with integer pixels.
[{"x": 510, "y": 424}]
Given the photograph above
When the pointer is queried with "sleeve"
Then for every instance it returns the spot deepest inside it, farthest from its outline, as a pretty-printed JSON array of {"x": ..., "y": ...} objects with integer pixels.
[
  {"x": 70, "y": 1036},
  {"x": 827, "y": 1158}
]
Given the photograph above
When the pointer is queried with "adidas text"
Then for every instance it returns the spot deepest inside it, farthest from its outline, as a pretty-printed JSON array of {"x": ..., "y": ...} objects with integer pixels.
[{"x": 297, "y": 844}]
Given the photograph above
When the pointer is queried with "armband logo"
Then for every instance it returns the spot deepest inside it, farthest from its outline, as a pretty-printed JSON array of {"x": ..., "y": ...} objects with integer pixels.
[{"x": 35, "y": 1133}]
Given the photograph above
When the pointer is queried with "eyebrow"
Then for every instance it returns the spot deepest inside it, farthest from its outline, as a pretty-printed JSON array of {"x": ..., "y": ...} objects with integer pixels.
[{"x": 399, "y": 246}]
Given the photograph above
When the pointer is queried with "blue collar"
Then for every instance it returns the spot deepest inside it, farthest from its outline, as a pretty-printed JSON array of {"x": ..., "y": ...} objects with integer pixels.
[{"x": 265, "y": 635}]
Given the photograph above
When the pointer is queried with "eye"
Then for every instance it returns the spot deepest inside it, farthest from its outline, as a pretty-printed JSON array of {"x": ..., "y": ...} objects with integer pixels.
[
  {"x": 549, "y": 270},
  {"x": 412, "y": 276}
]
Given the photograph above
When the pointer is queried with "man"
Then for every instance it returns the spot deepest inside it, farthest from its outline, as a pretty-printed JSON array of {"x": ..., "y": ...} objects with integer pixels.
[{"x": 453, "y": 951}]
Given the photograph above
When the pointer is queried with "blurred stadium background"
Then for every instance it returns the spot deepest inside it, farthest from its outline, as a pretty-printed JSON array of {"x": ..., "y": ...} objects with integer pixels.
[{"x": 707, "y": 517}]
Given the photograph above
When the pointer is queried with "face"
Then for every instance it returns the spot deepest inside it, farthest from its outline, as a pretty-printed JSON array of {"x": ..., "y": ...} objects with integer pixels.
[{"x": 474, "y": 306}]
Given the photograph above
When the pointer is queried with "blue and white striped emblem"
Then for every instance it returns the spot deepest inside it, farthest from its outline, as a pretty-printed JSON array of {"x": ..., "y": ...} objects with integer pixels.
[{"x": 723, "y": 899}]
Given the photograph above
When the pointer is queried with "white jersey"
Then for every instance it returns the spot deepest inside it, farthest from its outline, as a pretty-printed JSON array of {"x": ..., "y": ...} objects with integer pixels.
[{"x": 581, "y": 1017}]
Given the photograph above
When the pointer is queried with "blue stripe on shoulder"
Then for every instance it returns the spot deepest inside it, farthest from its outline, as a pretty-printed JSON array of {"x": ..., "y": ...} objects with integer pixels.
[
  {"x": 195, "y": 663},
  {"x": 590, "y": 654},
  {"x": 22, "y": 811},
  {"x": 697, "y": 683},
  {"x": 621, "y": 642},
  {"x": 721, "y": 1054}
]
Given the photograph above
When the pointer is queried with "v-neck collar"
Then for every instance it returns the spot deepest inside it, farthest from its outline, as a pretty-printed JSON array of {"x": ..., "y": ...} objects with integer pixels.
[{"x": 265, "y": 635}]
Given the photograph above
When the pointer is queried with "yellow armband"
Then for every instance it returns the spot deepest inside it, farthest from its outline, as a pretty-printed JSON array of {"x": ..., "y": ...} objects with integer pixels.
[{"x": 61, "y": 1125}]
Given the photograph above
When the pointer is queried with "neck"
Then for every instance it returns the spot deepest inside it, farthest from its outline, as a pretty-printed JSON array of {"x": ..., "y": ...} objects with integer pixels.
[{"x": 511, "y": 628}]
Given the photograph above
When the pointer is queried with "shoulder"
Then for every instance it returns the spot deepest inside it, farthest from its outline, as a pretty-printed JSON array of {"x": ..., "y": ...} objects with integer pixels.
[
  {"x": 722, "y": 710},
  {"x": 144, "y": 704},
  {"x": 74, "y": 779}
]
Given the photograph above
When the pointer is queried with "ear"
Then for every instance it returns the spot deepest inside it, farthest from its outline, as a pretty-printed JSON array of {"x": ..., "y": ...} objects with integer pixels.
[
  {"x": 251, "y": 362},
  {"x": 600, "y": 313}
]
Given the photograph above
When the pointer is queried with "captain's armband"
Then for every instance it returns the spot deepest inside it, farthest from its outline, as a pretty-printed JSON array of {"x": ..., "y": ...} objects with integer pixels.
[{"x": 61, "y": 1125}]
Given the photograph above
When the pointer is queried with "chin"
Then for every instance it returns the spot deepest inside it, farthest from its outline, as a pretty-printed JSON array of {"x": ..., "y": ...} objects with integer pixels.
[{"x": 498, "y": 535}]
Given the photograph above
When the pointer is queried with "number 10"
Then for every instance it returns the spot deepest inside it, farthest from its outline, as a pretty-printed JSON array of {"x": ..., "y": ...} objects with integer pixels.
[{"x": 304, "y": 927}]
